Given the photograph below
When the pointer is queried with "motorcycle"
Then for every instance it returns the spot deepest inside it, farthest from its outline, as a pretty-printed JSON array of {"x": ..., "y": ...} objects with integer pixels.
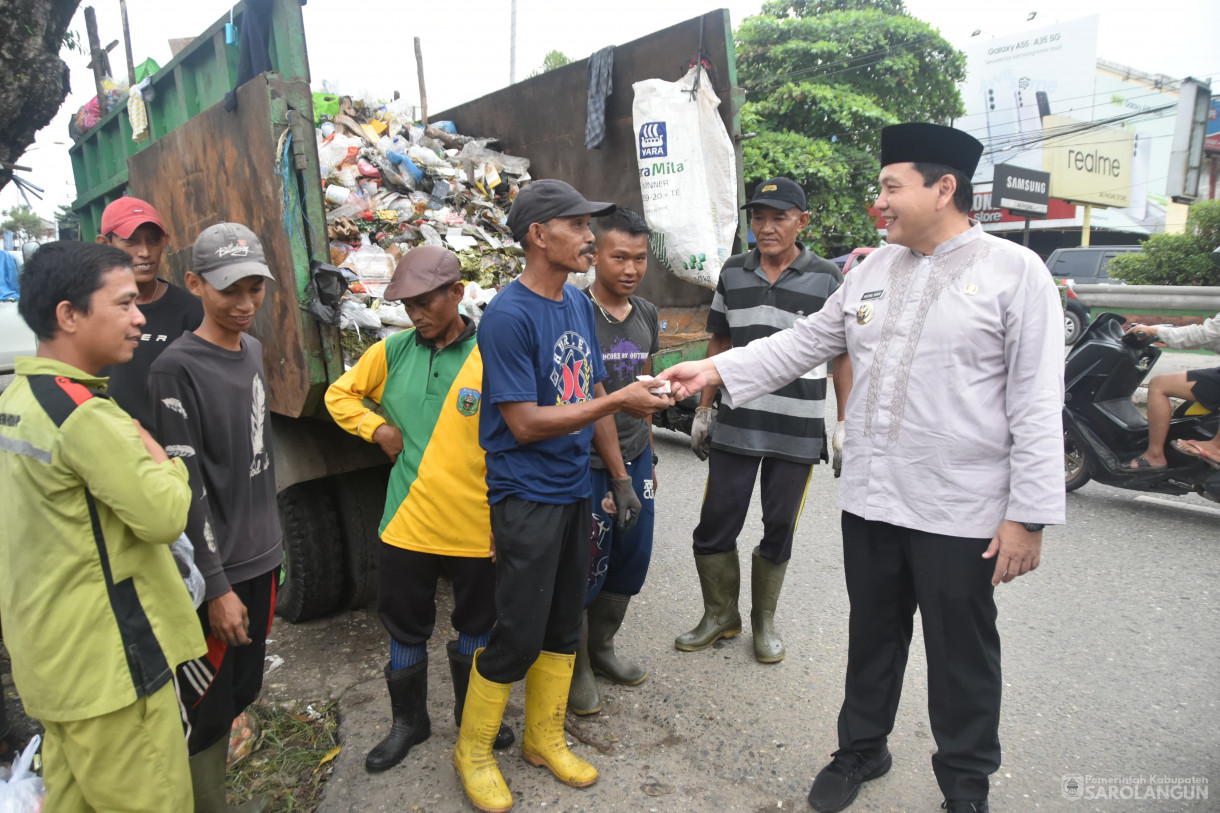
[{"x": 1103, "y": 430}]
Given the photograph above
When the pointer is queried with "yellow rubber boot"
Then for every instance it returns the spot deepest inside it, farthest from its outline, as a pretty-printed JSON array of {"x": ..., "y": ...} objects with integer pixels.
[
  {"x": 546, "y": 700},
  {"x": 472, "y": 757}
]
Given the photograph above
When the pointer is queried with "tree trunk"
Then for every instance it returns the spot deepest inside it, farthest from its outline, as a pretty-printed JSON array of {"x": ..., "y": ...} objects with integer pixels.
[{"x": 36, "y": 79}]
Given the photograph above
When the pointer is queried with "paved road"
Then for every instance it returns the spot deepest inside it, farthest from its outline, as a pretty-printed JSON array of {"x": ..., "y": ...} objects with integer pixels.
[{"x": 1111, "y": 670}]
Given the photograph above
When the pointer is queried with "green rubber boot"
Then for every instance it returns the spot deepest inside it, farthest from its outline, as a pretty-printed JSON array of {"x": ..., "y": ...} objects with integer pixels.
[
  {"x": 583, "y": 698},
  {"x": 766, "y": 581},
  {"x": 720, "y": 581},
  {"x": 605, "y": 617},
  {"x": 208, "y": 769}
]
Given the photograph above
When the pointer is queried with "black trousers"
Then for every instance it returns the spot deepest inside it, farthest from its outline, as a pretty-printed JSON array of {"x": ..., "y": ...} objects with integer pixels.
[
  {"x": 542, "y": 569},
  {"x": 218, "y": 687},
  {"x": 726, "y": 501},
  {"x": 890, "y": 571},
  {"x": 406, "y": 594}
]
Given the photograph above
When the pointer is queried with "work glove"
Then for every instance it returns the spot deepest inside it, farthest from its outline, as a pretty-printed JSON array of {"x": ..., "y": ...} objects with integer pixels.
[
  {"x": 701, "y": 432},
  {"x": 836, "y": 447},
  {"x": 626, "y": 504}
]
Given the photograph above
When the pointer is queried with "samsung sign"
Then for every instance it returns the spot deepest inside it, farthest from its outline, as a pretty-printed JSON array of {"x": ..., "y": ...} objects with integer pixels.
[{"x": 1021, "y": 190}]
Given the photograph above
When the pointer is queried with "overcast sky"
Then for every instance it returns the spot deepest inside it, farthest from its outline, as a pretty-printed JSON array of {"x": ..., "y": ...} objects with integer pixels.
[{"x": 366, "y": 45}]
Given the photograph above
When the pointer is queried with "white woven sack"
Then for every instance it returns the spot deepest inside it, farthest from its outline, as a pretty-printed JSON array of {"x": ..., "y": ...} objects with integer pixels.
[{"x": 688, "y": 175}]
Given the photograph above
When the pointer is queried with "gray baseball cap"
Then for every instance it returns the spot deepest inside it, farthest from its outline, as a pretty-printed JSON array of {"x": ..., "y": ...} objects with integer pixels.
[{"x": 224, "y": 253}]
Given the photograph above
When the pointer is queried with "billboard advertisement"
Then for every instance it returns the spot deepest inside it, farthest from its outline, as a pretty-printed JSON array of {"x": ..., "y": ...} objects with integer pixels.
[
  {"x": 1087, "y": 164},
  {"x": 1212, "y": 144},
  {"x": 1014, "y": 81}
]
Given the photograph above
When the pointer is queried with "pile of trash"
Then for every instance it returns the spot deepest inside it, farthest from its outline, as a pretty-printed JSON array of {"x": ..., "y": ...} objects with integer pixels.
[{"x": 392, "y": 184}]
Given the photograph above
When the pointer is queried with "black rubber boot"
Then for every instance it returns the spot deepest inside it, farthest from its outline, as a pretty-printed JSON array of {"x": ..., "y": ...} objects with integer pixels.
[
  {"x": 459, "y": 670},
  {"x": 409, "y": 707},
  {"x": 605, "y": 617}
]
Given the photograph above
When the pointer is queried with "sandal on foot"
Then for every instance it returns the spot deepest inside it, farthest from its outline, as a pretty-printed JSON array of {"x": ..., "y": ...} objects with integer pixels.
[
  {"x": 1141, "y": 464},
  {"x": 1191, "y": 448}
]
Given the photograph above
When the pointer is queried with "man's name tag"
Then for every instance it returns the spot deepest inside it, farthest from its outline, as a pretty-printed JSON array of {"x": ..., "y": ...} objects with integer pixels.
[{"x": 872, "y": 295}]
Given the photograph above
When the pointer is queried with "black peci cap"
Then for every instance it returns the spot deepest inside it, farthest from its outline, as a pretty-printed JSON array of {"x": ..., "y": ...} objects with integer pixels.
[{"x": 918, "y": 142}]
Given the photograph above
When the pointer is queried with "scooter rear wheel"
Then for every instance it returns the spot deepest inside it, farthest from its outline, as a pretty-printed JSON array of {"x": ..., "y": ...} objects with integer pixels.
[{"x": 1075, "y": 466}]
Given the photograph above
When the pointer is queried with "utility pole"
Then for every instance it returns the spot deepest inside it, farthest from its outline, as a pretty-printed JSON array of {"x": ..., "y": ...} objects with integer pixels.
[
  {"x": 99, "y": 62},
  {"x": 512, "y": 46},
  {"x": 131, "y": 65},
  {"x": 423, "y": 93}
]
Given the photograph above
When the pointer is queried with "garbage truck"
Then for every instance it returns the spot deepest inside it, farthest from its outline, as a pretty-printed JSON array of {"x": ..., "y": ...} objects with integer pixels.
[{"x": 258, "y": 164}]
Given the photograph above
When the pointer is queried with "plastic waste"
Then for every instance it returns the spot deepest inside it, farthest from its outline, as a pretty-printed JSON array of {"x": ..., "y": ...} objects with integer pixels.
[
  {"x": 371, "y": 263},
  {"x": 393, "y": 313},
  {"x": 353, "y": 315},
  {"x": 477, "y": 153},
  {"x": 23, "y": 791},
  {"x": 423, "y": 157}
]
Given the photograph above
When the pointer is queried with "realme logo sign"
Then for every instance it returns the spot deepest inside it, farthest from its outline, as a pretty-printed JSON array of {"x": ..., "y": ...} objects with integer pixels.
[{"x": 1089, "y": 164}]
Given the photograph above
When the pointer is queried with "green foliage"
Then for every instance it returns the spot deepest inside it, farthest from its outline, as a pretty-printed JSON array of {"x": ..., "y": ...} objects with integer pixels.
[
  {"x": 552, "y": 60},
  {"x": 1177, "y": 259},
  {"x": 822, "y": 78},
  {"x": 808, "y": 8},
  {"x": 23, "y": 221},
  {"x": 1204, "y": 223},
  {"x": 67, "y": 223}
]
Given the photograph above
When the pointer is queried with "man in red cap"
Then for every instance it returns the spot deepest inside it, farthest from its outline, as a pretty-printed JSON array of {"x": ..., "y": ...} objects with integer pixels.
[
  {"x": 135, "y": 227},
  {"x": 429, "y": 383},
  {"x": 936, "y": 513}
]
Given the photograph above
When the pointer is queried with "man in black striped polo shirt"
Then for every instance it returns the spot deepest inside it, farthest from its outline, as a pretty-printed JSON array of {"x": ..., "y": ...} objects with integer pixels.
[{"x": 760, "y": 292}]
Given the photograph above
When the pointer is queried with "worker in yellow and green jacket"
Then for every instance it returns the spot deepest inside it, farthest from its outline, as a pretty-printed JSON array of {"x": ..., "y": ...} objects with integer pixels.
[
  {"x": 95, "y": 613},
  {"x": 428, "y": 381}
]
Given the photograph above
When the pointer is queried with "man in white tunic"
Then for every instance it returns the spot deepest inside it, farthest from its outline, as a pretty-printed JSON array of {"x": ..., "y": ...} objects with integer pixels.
[{"x": 953, "y": 458}]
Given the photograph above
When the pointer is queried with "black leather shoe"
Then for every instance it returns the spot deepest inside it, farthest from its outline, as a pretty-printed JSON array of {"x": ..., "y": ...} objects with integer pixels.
[
  {"x": 836, "y": 786},
  {"x": 962, "y": 806}
]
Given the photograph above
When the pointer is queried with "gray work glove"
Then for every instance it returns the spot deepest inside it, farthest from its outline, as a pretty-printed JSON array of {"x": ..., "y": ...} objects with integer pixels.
[
  {"x": 626, "y": 504},
  {"x": 836, "y": 447},
  {"x": 701, "y": 432}
]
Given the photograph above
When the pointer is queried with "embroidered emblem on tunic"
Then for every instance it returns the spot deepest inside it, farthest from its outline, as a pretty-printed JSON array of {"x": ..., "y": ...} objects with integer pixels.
[{"x": 971, "y": 290}]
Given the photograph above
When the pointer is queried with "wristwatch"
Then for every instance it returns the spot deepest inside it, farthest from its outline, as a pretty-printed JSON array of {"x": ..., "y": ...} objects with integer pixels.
[
  {"x": 655, "y": 460},
  {"x": 1033, "y": 527}
]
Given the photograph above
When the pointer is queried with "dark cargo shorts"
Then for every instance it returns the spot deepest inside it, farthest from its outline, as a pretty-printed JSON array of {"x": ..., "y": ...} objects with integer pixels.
[{"x": 1207, "y": 386}]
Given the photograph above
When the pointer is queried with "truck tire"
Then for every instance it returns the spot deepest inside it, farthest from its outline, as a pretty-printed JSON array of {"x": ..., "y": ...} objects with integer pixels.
[
  {"x": 313, "y": 557},
  {"x": 1075, "y": 465},
  {"x": 360, "y": 499}
]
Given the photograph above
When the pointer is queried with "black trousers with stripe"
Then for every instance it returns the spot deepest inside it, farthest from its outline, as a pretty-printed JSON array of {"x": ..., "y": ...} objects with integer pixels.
[
  {"x": 726, "y": 501},
  {"x": 890, "y": 571},
  {"x": 218, "y": 687}
]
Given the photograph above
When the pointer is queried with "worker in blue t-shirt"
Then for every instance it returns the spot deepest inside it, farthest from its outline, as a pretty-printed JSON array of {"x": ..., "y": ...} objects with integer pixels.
[{"x": 542, "y": 373}]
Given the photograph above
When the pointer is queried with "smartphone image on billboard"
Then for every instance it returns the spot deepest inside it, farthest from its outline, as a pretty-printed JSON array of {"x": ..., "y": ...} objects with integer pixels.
[
  {"x": 1141, "y": 167},
  {"x": 1044, "y": 103},
  {"x": 1029, "y": 115},
  {"x": 1003, "y": 128}
]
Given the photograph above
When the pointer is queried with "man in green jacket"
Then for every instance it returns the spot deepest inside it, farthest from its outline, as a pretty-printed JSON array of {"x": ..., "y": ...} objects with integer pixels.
[{"x": 95, "y": 613}]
